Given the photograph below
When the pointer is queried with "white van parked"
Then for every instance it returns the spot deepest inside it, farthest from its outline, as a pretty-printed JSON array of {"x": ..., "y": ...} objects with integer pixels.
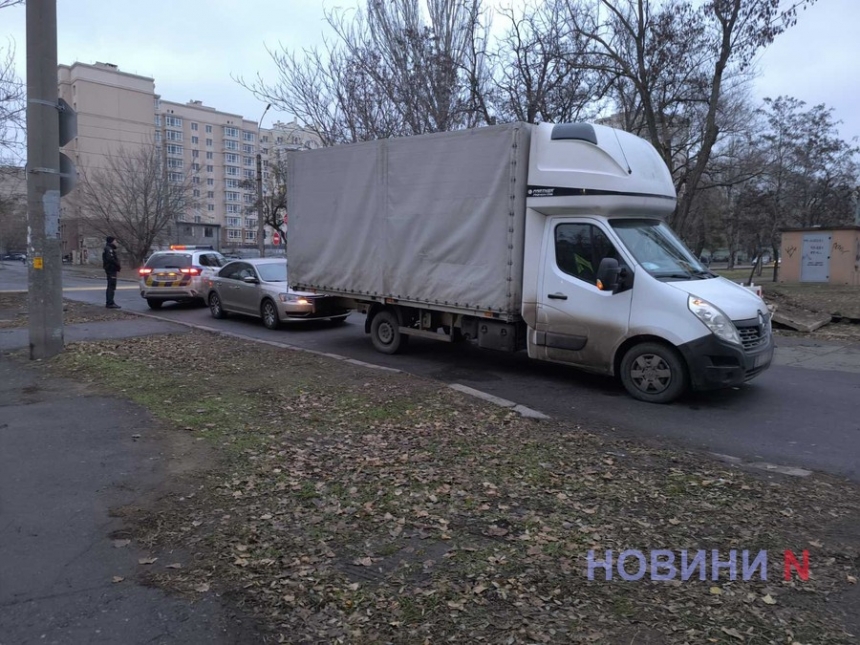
[{"x": 548, "y": 238}]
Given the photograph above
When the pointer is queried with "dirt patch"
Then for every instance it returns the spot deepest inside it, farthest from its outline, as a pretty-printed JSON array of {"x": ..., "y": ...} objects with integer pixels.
[
  {"x": 349, "y": 505},
  {"x": 13, "y": 312}
]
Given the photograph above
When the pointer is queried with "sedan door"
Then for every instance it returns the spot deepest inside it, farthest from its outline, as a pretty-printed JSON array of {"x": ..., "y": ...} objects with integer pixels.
[
  {"x": 229, "y": 284},
  {"x": 248, "y": 294}
]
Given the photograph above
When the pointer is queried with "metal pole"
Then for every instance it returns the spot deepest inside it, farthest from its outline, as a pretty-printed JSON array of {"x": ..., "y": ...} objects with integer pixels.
[
  {"x": 45, "y": 280},
  {"x": 261, "y": 217}
]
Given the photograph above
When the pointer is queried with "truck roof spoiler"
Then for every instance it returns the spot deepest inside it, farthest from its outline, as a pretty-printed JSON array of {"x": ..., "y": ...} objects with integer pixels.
[{"x": 577, "y": 131}]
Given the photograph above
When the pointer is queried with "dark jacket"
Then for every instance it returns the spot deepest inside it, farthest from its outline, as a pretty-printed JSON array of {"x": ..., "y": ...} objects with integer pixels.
[{"x": 110, "y": 261}]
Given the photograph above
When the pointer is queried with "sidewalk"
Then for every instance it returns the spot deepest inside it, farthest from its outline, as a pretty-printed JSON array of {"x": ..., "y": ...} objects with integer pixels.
[{"x": 70, "y": 460}]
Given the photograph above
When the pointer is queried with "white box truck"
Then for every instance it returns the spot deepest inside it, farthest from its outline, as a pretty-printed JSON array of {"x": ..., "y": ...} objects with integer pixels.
[{"x": 547, "y": 238}]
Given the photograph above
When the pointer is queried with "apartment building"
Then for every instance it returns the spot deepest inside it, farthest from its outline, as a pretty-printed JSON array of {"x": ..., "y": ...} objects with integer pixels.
[{"x": 216, "y": 150}]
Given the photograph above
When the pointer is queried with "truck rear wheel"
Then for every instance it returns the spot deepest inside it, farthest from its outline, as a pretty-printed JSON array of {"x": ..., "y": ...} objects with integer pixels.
[
  {"x": 385, "y": 333},
  {"x": 654, "y": 373}
]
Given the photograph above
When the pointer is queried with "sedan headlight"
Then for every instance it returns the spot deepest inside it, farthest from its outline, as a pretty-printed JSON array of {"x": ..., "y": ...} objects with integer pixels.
[
  {"x": 714, "y": 319},
  {"x": 292, "y": 300}
]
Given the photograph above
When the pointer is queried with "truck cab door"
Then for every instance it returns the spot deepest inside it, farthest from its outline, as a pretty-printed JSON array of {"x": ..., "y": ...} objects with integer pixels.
[{"x": 577, "y": 322}]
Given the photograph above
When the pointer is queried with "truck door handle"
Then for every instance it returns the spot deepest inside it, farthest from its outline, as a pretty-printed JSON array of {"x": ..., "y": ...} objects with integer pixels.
[{"x": 557, "y": 296}]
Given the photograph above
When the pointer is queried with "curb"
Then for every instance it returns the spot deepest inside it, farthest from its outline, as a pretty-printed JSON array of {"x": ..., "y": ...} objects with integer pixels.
[{"x": 522, "y": 410}]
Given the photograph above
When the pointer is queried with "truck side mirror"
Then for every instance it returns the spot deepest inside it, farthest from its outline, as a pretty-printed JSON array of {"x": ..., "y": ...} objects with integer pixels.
[{"x": 607, "y": 274}]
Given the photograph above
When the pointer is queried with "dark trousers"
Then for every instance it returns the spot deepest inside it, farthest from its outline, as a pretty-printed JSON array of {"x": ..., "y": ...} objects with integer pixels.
[{"x": 111, "y": 287}]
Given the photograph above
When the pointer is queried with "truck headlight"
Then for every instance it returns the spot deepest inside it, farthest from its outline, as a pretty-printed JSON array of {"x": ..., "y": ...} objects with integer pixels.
[{"x": 714, "y": 319}]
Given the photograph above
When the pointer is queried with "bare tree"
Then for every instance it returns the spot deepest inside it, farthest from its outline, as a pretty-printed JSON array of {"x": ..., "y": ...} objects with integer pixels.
[
  {"x": 13, "y": 209},
  {"x": 134, "y": 198},
  {"x": 675, "y": 59},
  {"x": 12, "y": 107},
  {"x": 393, "y": 68},
  {"x": 536, "y": 79}
]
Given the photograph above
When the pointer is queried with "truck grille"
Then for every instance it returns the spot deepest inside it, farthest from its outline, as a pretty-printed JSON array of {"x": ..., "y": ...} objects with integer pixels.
[{"x": 753, "y": 335}]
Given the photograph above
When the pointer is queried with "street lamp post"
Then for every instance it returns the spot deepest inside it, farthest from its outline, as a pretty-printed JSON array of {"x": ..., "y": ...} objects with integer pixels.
[{"x": 261, "y": 218}]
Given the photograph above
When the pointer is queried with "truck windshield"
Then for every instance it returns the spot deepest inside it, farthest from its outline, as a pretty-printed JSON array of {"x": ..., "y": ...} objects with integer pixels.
[{"x": 658, "y": 250}]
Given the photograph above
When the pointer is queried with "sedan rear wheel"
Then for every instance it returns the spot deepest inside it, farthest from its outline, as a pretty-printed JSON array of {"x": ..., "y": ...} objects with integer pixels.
[
  {"x": 215, "y": 307},
  {"x": 154, "y": 304},
  {"x": 269, "y": 312}
]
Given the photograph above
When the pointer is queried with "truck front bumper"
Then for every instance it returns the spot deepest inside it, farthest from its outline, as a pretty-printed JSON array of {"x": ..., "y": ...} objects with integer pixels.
[{"x": 715, "y": 364}]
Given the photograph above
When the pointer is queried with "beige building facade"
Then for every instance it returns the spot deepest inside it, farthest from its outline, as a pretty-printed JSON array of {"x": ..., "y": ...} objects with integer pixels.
[{"x": 216, "y": 150}]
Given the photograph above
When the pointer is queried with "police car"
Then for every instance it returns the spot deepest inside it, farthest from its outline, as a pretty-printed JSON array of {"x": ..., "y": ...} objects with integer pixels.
[{"x": 179, "y": 275}]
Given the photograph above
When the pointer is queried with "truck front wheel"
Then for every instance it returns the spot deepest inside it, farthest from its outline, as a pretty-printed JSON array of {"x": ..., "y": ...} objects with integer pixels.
[
  {"x": 385, "y": 333},
  {"x": 654, "y": 373}
]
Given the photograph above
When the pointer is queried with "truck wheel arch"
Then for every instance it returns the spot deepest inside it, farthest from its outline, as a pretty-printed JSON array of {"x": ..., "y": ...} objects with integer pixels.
[{"x": 672, "y": 361}]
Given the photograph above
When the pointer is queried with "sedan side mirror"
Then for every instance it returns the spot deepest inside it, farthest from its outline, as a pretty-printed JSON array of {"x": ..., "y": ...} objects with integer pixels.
[{"x": 249, "y": 279}]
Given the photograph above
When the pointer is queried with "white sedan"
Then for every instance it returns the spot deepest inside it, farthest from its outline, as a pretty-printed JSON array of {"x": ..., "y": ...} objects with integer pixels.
[{"x": 258, "y": 287}]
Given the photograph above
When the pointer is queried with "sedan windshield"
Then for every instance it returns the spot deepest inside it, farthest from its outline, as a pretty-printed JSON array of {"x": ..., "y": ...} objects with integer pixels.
[
  {"x": 658, "y": 250},
  {"x": 273, "y": 272}
]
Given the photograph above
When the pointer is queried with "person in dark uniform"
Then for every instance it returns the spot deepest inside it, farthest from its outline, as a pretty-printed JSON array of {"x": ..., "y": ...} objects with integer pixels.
[{"x": 110, "y": 262}]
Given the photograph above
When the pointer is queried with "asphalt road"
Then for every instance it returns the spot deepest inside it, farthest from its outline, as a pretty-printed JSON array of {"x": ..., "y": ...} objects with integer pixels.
[{"x": 802, "y": 412}]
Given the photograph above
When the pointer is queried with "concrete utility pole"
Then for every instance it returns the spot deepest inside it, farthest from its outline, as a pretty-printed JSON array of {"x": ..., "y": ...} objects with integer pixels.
[
  {"x": 261, "y": 217},
  {"x": 45, "y": 280}
]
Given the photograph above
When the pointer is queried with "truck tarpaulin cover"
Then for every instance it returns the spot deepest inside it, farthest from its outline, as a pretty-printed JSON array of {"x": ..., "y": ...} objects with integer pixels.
[{"x": 435, "y": 218}]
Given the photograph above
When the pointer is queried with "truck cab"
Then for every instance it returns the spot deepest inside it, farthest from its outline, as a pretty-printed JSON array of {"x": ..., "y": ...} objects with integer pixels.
[{"x": 607, "y": 285}]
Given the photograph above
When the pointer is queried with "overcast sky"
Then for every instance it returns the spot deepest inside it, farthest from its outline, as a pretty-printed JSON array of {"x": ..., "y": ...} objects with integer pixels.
[{"x": 193, "y": 47}]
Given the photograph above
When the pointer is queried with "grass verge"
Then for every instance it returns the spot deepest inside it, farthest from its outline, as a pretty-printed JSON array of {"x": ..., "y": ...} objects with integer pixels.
[{"x": 363, "y": 507}]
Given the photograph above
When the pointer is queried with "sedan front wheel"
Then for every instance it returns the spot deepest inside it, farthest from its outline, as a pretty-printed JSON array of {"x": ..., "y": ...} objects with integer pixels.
[{"x": 269, "y": 312}]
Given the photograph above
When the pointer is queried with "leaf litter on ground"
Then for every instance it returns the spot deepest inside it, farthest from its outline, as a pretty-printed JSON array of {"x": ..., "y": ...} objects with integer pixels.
[{"x": 354, "y": 506}]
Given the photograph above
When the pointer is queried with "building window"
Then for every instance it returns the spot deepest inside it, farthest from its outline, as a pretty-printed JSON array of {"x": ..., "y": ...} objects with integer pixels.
[
  {"x": 231, "y": 132},
  {"x": 249, "y": 199},
  {"x": 235, "y": 222},
  {"x": 196, "y": 192},
  {"x": 158, "y": 120},
  {"x": 248, "y": 150},
  {"x": 172, "y": 121},
  {"x": 210, "y": 181},
  {"x": 210, "y": 194},
  {"x": 210, "y": 168},
  {"x": 250, "y": 235},
  {"x": 195, "y": 153},
  {"x": 208, "y": 129},
  {"x": 234, "y": 235},
  {"x": 194, "y": 127},
  {"x": 210, "y": 207},
  {"x": 195, "y": 179},
  {"x": 249, "y": 174},
  {"x": 176, "y": 177},
  {"x": 249, "y": 161},
  {"x": 231, "y": 196},
  {"x": 173, "y": 135},
  {"x": 248, "y": 136},
  {"x": 195, "y": 167},
  {"x": 173, "y": 149},
  {"x": 229, "y": 144},
  {"x": 234, "y": 208},
  {"x": 208, "y": 232},
  {"x": 231, "y": 158},
  {"x": 250, "y": 223},
  {"x": 210, "y": 154},
  {"x": 174, "y": 163},
  {"x": 208, "y": 143},
  {"x": 195, "y": 140},
  {"x": 197, "y": 219},
  {"x": 157, "y": 136},
  {"x": 233, "y": 184}
]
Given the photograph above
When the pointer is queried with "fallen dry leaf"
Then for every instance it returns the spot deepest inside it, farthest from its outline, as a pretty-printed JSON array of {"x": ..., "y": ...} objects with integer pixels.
[
  {"x": 117, "y": 579},
  {"x": 118, "y": 544},
  {"x": 174, "y": 565},
  {"x": 146, "y": 560},
  {"x": 768, "y": 600},
  {"x": 202, "y": 587}
]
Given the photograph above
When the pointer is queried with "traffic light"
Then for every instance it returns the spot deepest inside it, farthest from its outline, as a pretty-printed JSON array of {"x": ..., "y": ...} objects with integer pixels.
[{"x": 68, "y": 130}]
